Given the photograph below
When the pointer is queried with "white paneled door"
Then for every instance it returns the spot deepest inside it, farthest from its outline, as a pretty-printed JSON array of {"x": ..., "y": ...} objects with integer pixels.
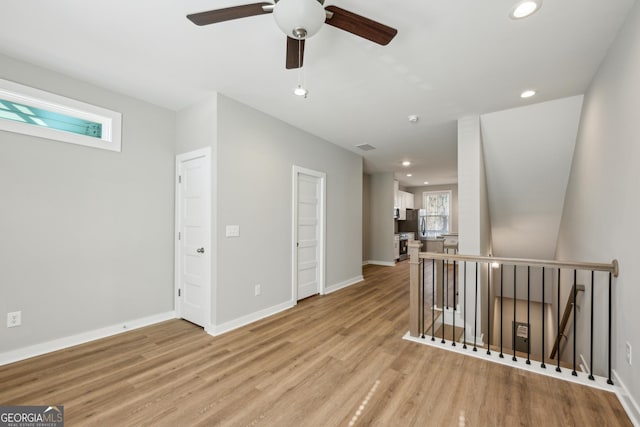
[
  {"x": 308, "y": 232},
  {"x": 193, "y": 250}
]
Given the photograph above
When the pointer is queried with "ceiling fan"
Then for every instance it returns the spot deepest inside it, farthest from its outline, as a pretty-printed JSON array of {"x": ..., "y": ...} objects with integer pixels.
[{"x": 299, "y": 20}]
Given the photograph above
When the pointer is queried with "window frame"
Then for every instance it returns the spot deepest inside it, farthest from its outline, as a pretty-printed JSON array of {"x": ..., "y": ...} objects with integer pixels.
[
  {"x": 111, "y": 121},
  {"x": 425, "y": 194}
]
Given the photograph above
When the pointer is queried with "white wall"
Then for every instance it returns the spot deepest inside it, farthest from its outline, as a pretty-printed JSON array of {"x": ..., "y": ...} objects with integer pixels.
[
  {"x": 473, "y": 210},
  {"x": 528, "y": 152},
  {"x": 381, "y": 222},
  {"x": 87, "y": 234},
  {"x": 602, "y": 205},
  {"x": 256, "y": 153}
]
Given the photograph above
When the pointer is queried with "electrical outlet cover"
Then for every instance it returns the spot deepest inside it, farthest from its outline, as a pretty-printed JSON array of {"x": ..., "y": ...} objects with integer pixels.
[{"x": 14, "y": 319}]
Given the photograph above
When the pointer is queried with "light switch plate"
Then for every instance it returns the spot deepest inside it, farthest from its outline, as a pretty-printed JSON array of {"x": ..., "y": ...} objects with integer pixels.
[{"x": 233, "y": 231}]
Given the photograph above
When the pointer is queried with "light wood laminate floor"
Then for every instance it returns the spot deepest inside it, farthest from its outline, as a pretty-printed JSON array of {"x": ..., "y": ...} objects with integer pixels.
[{"x": 334, "y": 360}]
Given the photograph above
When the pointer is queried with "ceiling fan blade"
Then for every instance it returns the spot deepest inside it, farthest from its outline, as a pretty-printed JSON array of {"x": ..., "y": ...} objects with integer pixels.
[
  {"x": 360, "y": 26},
  {"x": 228, "y": 13},
  {"x": 295, "y": 51}
]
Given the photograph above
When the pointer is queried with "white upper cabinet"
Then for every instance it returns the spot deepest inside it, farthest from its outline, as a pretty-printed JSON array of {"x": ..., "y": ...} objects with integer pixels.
[
  {"x": 402, "y": 201},
  {"x": 408, "y": 200}
]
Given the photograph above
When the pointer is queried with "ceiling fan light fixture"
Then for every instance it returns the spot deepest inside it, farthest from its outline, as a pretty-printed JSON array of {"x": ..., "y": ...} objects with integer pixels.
[
  {"x": 525, "y": 8},
  {"x": 300, "y": 91},
  {"x": 299, "y": 19}
]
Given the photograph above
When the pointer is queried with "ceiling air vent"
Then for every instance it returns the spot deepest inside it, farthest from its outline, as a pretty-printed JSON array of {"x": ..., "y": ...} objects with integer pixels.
[{"x": 366, "y": 147}]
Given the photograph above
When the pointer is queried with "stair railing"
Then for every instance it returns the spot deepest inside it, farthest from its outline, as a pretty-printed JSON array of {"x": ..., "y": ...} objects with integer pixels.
[
  {"x": 427, "y": 268},
  {"x": 568, "y": 308}
]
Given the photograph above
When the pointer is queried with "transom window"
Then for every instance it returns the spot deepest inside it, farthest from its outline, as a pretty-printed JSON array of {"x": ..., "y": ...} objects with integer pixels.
[
  {"x": 438, "y": 206},
  {"x": 38, "y": 113}
]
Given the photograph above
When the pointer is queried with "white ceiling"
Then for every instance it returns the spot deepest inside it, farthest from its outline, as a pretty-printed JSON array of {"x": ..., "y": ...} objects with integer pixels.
[{"x": 450, "y": 58}]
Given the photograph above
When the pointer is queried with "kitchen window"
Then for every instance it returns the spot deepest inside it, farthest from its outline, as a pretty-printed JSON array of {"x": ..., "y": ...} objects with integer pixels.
[
  {"x": 34, "y": 112},
  {"x": 438, "y": 207}
]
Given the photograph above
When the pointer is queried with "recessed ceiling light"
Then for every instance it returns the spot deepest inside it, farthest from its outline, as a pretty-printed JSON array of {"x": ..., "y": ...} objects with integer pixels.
[
  {"x": 406, "y": 163},
  {"x": 527, "y": 93},
  {"x": 409, "y": 175},
  {"x": 426, "y": 183},
  {"x": 525, "y": 8},
  {"x": 413, "y": 118}
]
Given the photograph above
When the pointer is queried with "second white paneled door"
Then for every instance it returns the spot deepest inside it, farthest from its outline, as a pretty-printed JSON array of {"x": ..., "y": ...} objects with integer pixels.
[{"x": 308, "y": 230}]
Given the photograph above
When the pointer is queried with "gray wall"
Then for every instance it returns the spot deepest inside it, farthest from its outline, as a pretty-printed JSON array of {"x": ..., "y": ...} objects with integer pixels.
[
  {"x": 366, "y": 215},
  {"x": 381, "y": 217},
  {"x": 197, "y": 127},
  {"x": 602, "y": 204},
  {"x": 256, "y": 153},
  {"x": 87, "y": 234},
  {"x": 417, "y": 200}
]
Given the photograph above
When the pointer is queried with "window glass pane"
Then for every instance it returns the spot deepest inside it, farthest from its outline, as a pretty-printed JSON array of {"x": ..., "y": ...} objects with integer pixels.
[
  {"x": 437, "y": 205},
  {"x": 39, "y": 117}
]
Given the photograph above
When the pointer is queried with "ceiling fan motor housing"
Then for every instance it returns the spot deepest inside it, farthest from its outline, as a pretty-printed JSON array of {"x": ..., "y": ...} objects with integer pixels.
[{"x": 299, "y": 19}]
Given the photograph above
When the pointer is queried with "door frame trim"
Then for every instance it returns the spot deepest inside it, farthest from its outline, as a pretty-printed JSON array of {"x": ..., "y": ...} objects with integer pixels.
[
  {"x": 191, "y": 155},
  {"x": 294, "y": 232}
]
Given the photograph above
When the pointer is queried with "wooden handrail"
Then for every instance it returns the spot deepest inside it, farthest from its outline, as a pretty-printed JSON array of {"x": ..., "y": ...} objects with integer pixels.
[
  {"x": 576, "y": 265},
  {"x": 565, "y": 319}
]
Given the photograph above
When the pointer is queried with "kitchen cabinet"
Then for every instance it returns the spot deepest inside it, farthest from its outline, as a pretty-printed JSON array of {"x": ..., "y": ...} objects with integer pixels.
[
  {"x": 408, "y": 200},
  {"x": 403, "y": 201}
]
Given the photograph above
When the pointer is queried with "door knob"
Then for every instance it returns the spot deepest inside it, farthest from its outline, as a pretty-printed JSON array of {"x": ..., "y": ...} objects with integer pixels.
[{"x": 200, "y": 250}]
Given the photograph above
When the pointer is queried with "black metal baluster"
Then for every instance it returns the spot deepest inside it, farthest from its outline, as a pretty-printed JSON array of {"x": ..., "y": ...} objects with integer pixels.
[
  {"x": 453, "y": 312},
  {"x": 529, "y": 315},
  {"x": 558, "y": 336},
  {"x": 591, "y": 333},
  {"x": 609, "y": 381},
  {"x": 489, "y": 308},
  {"x": 444, "y": 285},
  {"x": 464, "y": 308},
  {"x": 575, "y": 309},
  {"x": 433, "y": 299},
  {"x": 422, "y": 305},
  {"x": 513, "y": 338},
  {"x": 475, "y": 312},
  {"x": 501, "y": 311},
  {"x": 542, "y": 365}
]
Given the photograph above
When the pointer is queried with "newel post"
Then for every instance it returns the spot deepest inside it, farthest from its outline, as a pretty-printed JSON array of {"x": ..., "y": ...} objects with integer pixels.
[{"x": 416, "y": 307}]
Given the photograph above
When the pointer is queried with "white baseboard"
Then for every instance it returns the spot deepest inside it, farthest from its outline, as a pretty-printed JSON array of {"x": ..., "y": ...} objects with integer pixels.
[
  {"x": 216, "y": 330},
  {"x": 626, "y": 400},
  {"x": 82, "y": 338},
  {"x": 384, "y": 263},
  {"x": 343, "y": 284}
]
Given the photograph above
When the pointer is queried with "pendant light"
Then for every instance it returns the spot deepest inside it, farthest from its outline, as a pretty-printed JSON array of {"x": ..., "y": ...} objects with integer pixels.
[{"x": 300, "y": 90}]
